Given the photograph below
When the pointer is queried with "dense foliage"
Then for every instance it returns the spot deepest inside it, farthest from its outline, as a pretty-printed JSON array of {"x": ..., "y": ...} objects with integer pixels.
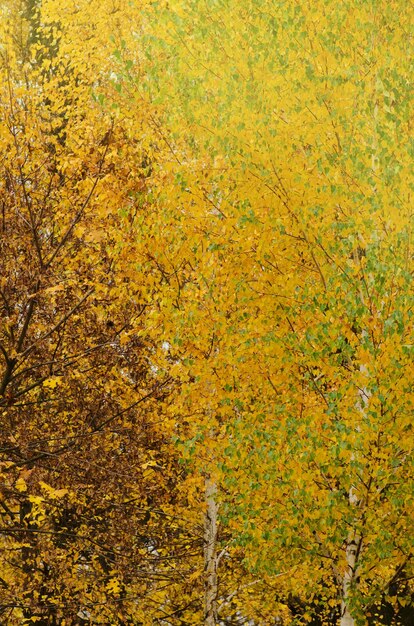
[{"x": 206, "y": 339}]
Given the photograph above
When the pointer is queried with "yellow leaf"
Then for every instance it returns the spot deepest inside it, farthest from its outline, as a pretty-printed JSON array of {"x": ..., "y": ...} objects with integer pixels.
[
  {"x": 53, "y": 289},
  {"x": 21, "y": 485},
  {"x": 51, "y": 492},
  {"x": 36, "y": 499},
  {"x": 194, "y": 576},
  {"x": 149, "y": 464},
  {"x": 52, "y": 382},
  {"x": 113, "y": 586}
]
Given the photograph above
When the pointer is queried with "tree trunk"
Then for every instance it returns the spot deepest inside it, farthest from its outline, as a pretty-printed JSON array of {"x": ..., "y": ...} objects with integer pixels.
[
  {"x": 346, "y": 617},
  {"x": 351, "y": 550},
  {"x": 354, "y": 541},
  {"x": 210, "y": 555}
]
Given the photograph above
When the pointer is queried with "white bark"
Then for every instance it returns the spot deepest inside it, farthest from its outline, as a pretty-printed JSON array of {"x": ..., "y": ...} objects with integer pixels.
[
  {"x": 353, "y": 544},
  {"x": 210, "y": 555},
  {"x": 354, "y": 541},
  {"x": 346, "y": 617},
  {"x": 351, "y": 552}
]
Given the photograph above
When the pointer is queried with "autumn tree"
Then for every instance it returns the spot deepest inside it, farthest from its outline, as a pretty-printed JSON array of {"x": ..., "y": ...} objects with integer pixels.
[
  {"x": 291, "y": 205},
  {"x": 206, "y": 329},
  {"x": 86, "y": 461}
]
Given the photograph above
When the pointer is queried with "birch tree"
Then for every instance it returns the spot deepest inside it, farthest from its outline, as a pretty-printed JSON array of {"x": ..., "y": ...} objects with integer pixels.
[{"x": 299, "y": 121}]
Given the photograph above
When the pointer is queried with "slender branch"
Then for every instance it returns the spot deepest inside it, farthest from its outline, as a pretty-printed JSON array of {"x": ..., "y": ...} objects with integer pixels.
[
  {"x": 29, "y": 314},
  {"x": 81, "y": 211},
  {"x": 22, "y": 176},
  {"x": 59, "y": 324},
  {"x": 7, "y": 375},
  {"x": 142, "y": 399},
  {"x": 65, "y": 448}
]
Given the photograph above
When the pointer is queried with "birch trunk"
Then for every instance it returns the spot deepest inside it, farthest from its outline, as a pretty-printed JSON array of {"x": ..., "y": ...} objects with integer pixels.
[
  {"x": 354, "y": 543},
  {"x": 346, "y": 617},
  {"x": 210, "y": 555}
]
